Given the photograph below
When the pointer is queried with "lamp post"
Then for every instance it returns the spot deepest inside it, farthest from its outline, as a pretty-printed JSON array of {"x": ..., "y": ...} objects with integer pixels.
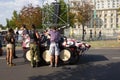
[{"x": 95, "y": 19}]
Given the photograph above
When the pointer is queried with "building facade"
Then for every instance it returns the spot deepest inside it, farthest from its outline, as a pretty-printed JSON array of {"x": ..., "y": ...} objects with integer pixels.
[
  {"x": 104, "y": 17},
  {"x": 107, "y": 13}
]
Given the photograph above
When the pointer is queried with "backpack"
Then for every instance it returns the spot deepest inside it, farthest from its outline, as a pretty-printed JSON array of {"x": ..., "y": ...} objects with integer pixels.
[
  {"x": 8, "y": 38},
  {"x": 43, "y": 38},
  {"x": 33, "y": 36}
]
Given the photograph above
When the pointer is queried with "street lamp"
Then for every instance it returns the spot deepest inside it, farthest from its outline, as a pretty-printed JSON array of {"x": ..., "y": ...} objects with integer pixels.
[{"x": 95, "y": 19}]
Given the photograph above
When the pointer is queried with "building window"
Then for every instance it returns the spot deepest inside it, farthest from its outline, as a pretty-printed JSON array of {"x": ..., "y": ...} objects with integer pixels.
[
  {"x": 116, "y": 15},
  {"x": 105, "y": 15},
  {"x": 111, "y": 15},
  {"x": 117, "y": 26},
  {"x": 102, "y": 5},
  {"x": 105, "y": 20},
  {"x": 108, "y": 4},
  {"x": 111, "y": 25},
  {"x": 98, "y": 6},
  {"x": 105, "y": 26},
  {"x": 117, "y": 20},
  {"x": 113, "y": 4},
  {"x": 118, "y": 4},
  {"x": 96, "y": 15},
  {"x": 111, "y": 20}
]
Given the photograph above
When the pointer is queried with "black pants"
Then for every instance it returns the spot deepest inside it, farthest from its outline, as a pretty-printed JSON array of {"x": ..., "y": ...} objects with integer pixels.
[
  {"x": 14, "y": 52},
  {"x": 24, "y": 53}
]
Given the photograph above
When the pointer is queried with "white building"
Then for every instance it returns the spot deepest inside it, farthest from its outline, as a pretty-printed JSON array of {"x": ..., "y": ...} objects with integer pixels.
[{"x": 106, "y": 11}]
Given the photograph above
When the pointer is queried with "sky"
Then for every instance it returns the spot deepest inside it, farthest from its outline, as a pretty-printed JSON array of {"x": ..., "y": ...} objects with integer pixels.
[{"x": 8, "y": 6}]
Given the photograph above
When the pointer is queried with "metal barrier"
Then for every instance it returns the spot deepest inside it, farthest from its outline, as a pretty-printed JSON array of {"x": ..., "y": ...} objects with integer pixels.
[{"x": 107, "y": 34}]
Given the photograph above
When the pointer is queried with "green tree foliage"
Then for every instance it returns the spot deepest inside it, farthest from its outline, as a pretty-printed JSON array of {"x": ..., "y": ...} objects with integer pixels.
[
  {"x": 1, "y": 26},
  {"x": 71, "y": 18},
  {"x": 63, "y": 12},
  {"x": 12, "y": 22},
  {"x": 15, "y": 19},
  {"x": 8, "y": 25}
]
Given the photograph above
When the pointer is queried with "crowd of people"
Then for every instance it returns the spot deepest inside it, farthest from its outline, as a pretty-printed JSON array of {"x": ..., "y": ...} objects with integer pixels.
[{"x": 32, "y": 40}]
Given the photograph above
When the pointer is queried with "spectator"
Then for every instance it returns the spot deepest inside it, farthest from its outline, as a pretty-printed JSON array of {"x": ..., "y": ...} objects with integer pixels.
[
  {"x": 25, "y": 42},
  {"x": 1, "y": 51},
  {"x": 85, "y": 33},
  {"x": 54, "y": 46},
  {"x": 91, "y": 38},
  {"x": 34, "y": 47},
  {"x": 9, "y": 38},
  {"x": 14, "y": 52},
  {"x": 100, "y": 35}
]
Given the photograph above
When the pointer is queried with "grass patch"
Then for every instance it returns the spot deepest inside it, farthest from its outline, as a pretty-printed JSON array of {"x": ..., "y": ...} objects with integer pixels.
[{"x": 105, "y": 44}]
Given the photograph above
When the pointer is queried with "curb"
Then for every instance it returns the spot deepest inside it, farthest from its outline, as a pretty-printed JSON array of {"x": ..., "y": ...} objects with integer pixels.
[{"x": 106, "y": 48}]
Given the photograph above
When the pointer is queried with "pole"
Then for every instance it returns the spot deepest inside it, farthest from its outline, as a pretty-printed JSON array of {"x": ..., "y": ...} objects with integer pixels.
[
  {"x": 95, "y": 19},
  {"x": 68, "y": 13}
]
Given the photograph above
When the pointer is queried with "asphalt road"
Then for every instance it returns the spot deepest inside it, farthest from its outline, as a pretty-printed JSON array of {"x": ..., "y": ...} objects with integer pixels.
[{"x": 96, "y": 64}]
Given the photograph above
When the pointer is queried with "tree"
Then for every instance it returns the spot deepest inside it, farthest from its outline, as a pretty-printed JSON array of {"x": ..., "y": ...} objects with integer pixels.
[
  {"x": 8, "y": 22},
  {"x": 71, "y": 18},
  {"x": 12, "y": 22},
  {"x": 84, "y": 15},
  {"x": 1, "y": 26},
  {"x": 28, "y": 15},
  {"x": 31, "y": 15},
  {"x": 15, "y": 19}
]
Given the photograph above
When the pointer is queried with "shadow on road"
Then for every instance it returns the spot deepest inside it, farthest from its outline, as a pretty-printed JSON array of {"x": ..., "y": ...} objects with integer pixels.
[
  {"x": 85, "y": 70},
  {"x": 91, "y": 58}
]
